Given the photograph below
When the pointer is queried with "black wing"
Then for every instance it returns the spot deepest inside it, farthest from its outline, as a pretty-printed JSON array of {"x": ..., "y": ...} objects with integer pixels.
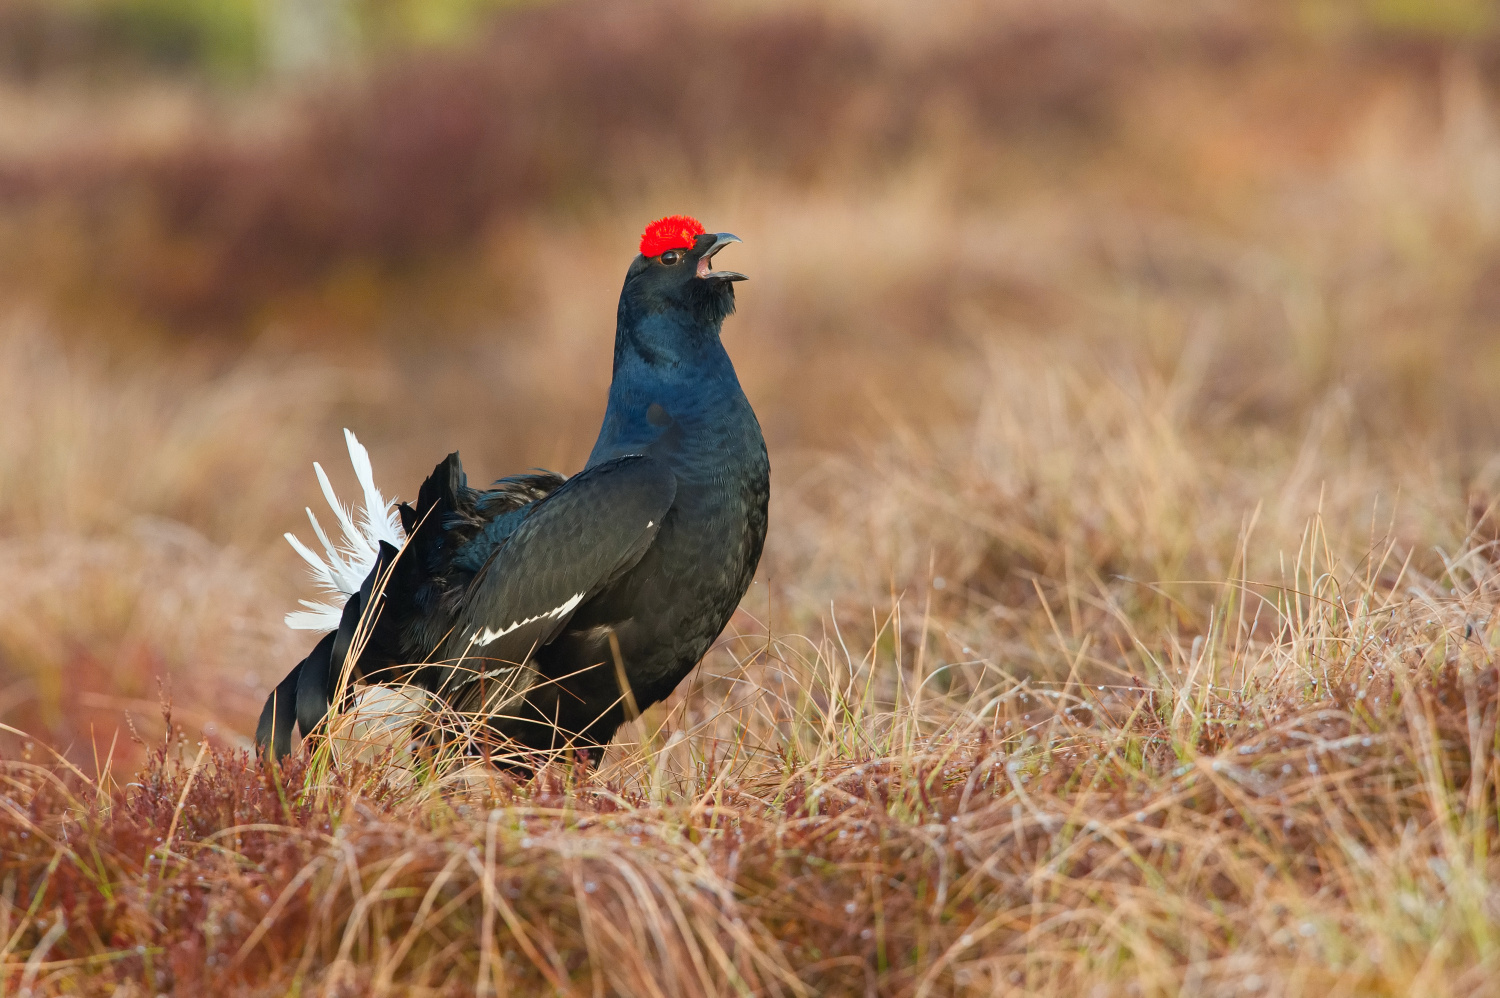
[
  {"x": 570, "y": 546},
  {"x": 451, "y": 533}
]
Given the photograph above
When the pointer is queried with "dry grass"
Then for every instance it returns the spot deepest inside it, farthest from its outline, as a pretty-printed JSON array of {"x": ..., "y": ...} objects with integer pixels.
[
  {"x": 1127, "y": 624},
  {"x": 1311, "y": 809}
]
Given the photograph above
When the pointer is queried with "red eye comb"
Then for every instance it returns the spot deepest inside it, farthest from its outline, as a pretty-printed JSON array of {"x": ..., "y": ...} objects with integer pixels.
[{"x": 672, "y": 232}]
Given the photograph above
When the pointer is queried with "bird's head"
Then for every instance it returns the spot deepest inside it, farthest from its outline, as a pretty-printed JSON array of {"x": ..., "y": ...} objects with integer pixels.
[{"x": 674, "y": 273}]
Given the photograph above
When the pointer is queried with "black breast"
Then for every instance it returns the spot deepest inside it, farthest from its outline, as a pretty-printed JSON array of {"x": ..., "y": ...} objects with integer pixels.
[{"x": 655, "y": 623}]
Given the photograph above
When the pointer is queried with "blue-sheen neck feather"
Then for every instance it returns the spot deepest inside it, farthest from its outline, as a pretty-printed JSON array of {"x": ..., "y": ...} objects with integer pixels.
[
  {"x": 672, "y": 334},
  {"x": 670, "y": 357}
]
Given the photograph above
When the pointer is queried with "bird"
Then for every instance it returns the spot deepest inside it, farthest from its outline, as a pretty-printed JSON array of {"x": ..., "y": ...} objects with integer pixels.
[{"x": 552, "y": 609}]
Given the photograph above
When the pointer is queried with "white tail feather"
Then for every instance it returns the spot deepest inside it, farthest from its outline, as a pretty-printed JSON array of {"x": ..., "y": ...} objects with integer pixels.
[
  {"x": 339, "y": 571},
  {"x": 380, "y": 518}
]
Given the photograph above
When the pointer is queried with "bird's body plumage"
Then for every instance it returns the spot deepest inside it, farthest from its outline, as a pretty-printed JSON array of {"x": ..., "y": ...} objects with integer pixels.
[{"x": 549, "y": 607}]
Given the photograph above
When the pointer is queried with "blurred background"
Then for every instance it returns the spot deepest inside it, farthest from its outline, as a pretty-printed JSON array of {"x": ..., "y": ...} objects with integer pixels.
[{"x": 1046, "y": 298}]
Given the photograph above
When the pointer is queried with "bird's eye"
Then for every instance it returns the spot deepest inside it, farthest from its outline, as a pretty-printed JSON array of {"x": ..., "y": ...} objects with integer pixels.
[{"x": 670, "y": 257}]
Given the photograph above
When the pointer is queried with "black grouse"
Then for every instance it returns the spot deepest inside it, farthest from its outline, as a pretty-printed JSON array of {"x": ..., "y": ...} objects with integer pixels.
[{"x": 546, "y": 606}]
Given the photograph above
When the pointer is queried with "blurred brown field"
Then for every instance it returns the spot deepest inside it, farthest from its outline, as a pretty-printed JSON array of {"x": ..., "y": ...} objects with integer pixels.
[{"x": 1070, "y": 325}]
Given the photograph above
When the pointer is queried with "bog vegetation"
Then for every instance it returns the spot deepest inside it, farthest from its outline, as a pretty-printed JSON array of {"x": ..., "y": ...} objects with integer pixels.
[{"x": 1128, "y": 619}]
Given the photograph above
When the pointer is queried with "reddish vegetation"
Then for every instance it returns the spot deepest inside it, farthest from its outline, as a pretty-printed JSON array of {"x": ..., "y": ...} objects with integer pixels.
[
  {"x": 954, "y": 864},
  {"x": 564, "y": 102}
]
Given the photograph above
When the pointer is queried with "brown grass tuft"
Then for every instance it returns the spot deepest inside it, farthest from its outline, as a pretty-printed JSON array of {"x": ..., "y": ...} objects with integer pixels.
[{"x": 1313, "y": 806}]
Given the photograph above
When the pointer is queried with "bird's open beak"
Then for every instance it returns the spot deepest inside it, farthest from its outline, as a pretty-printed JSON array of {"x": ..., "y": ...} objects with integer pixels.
[{"x": 721, "y": 239}]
